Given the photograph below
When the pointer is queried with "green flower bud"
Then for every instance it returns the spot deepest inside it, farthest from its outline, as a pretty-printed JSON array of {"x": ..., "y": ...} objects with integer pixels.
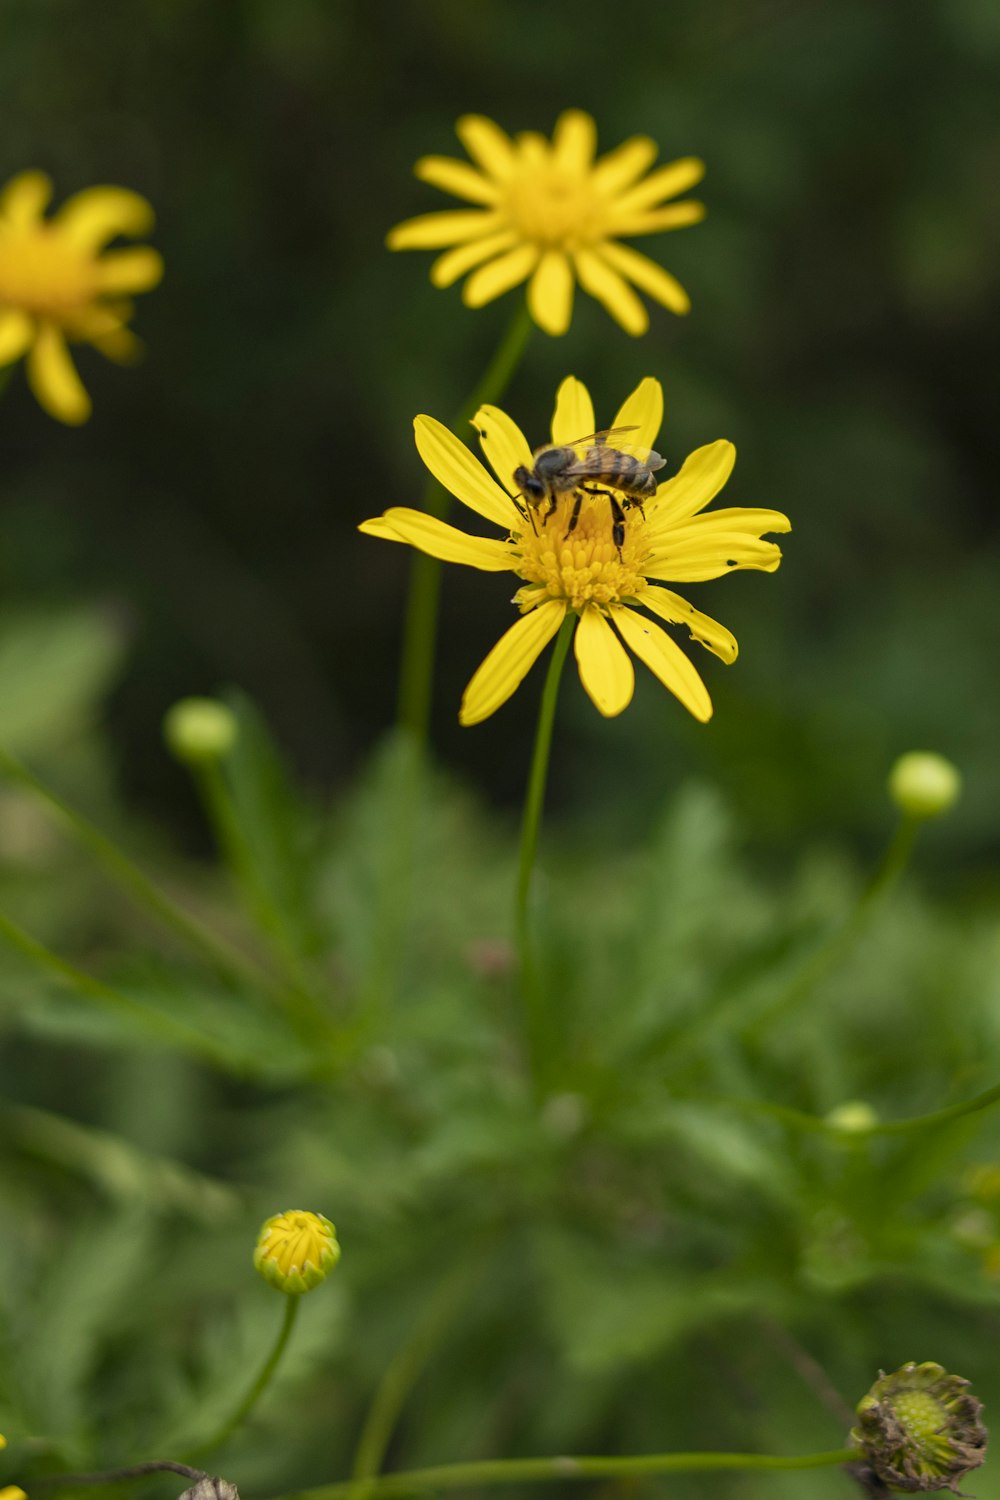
[
  {"x": 924, "y": 785},
  {"x": 920, "y": 1429},
  {"x": 853, "y": 1117},
  {"x": 199, "y": 729},
  {"x": 296, "y": 1250}
]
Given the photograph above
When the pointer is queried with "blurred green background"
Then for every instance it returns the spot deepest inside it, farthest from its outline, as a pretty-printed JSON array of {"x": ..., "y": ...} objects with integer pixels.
[
  {"x": 845, "y": 306},
  {"x": 626, "y": 1264}
]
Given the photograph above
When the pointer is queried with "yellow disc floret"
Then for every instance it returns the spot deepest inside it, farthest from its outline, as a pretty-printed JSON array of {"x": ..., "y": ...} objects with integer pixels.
[
  {"x": 296, "y": 1250},
  {"x": 581, "y": 565}
]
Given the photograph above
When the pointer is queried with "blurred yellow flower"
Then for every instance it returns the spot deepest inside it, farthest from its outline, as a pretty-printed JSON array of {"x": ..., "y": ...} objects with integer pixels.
[
  {"x": 12, "y": 1492},
  {"x": 579, "y": 569},
  {"x": 549, "y": 211},
  {"x": 59, "y": 284},
  {"x": 296, "y": 1250}
]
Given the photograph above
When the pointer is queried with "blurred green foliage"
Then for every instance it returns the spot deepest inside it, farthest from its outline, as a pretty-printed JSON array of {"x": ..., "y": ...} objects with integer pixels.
[{"x": 638, "y": 1260}]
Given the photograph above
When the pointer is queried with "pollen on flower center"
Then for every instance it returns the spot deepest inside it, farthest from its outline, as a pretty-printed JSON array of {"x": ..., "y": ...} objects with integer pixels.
[
  {"x": 42, "y": 272},
  {"x": 552, "y": 207},
  {"x": 581, "y": 565}
]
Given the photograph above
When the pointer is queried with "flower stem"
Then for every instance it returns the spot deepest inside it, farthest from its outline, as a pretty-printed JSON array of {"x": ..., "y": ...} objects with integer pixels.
[
  {"x": 228, "y": 963},
  {"x": 259, "y": 1386},
  {"x": 420, "y": 627},
  {"x": 533, "y": 1470},
  {"x": 829, "y": 953},
  {"x": 536, "y": 1021}
]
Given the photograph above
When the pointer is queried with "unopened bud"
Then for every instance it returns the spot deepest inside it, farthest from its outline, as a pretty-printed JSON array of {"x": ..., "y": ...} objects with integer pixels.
[
  {"x": 296, "y": 1250},
  {"x": 924, "y": 785},
  {"x": 853, "y": 1117},
  {"x": 920, "y": 1429},
  {"x": 199, "y": 729}
]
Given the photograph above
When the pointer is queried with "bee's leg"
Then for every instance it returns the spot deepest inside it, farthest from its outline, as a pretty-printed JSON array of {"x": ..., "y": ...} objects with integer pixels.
[
  {"x": 618, "y": 523},
  {"x": 575, "y": 515}
]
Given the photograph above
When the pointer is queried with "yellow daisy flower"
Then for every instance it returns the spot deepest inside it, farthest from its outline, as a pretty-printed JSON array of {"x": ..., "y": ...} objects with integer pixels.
[
  {"x": 549, "y": 211},
  {"x": 296, "y": 1250},
  {"x": 580, "y": 569},
  {"x": 58, "y": 283}
]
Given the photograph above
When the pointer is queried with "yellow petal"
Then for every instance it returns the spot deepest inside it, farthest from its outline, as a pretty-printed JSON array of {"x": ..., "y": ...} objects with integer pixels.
[
  {"x": 706, "y": 631},
  {"x": 665, "y": 660},
  {"x": 605, "y": 669},
  {"x": 499, "y": 276},
  {"x": 91, "y": 218},
  {"x": 666, "y": 182},
  {"x": 510, "y": 661},
  {"x": 452, "y": 465},
  {"x": 574, "y": 141},
  {"x": 135, "y": 270},
  {"x": 702, "y": 476},
  {"x": 604, "y": 283},
  {"x": 550, "y": 293},
  {"x": 674, "y": 216},
  {"x": 503, "y": 442},
  {"x": 53, "y": 378},
  {"x": 438, "y": 539},
  {"x": 435, "y": 231},
  {"x": 647, "y": 275},
  {"x": 120, "y": 345},
  {"x": 16, "y": 332},
  {"x": 644, "y": 411},
  {"x": 453, "y": 264},
  {"x": 488, "y": 145},
  {"x": 25, "y": 198},
  {"x": 618, "y": 169},
  {"x": 741, "y": 520},
  {"x": 698, "y": 560},
  {"x": 574, "y": 414},
  {"x": 456, "y": 177}
]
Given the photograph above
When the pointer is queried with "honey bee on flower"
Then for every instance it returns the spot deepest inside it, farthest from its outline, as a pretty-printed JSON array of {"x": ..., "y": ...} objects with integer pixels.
[
  {"x": 575, "y": 554},
  {"x": 548, "y": 213}
]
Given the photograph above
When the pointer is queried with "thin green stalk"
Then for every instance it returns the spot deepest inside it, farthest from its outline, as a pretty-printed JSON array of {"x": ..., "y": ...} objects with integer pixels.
[
  {"x": 228, "y": 963},
  {"x": 533, "y": 995},
  {"x": 543, "y": 1470},
  {"x": 403, "y": 1371},
  {"x": 420, "y": 625},
  {"x": 300, "y": 997},
  {"x": 829, "y": 953},
  {"x": 259, "y": 1386},
  {"x": 800, "y": 1119},
  {"x": 95, "y": 989}
]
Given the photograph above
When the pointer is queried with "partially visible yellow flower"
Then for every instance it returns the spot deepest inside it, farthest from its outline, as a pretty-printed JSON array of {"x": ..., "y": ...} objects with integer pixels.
[
  {"x": 578, "y": 570},
  {"x": 547, "y": 210},
  {"x": 296, "y": 1250},
  {"x": 13, "y": 1492},
  {"x": 58, "y": 283}
]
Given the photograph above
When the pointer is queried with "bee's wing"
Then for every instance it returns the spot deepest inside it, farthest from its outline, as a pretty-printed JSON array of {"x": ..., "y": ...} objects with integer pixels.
[{"x": 616, "y": 437}]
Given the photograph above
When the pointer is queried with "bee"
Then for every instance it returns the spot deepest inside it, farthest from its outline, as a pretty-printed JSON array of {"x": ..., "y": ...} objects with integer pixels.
[{"x": 588, "y": 465}]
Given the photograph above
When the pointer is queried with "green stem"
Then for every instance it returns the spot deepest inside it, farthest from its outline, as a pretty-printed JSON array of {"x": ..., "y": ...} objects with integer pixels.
[
  {"x": 528, "y": 1470},
  {"x": 536, "y": 1021},
  {"x": 95, "y": 989},
  {"x": 402, "y": 1373},
  {"x": 300, "y": 998},
  {"x": 259, "y": 1386},
  {"x": 829, "y": 953},
  {"x": 420, "y": 626},
  {"x": 228, "y": 963},
  {"x": 800, "y": 1119}
]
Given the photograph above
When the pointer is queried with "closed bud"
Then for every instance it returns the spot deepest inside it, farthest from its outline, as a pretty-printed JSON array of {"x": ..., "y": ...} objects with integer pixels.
[
  {"x": 920, "y": 1429},
  {"x": 199, "y": 729},
  {"x": 296, "y": 1250},
  {"x": 924, "y": 785},
  {"x": 853, "y": 1117}
]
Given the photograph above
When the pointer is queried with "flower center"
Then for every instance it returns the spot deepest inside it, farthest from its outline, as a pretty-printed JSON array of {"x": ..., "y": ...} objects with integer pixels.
[
  {"x": 581, "y": 565},
  {"x": 552, "y": 207},
  {"x": 42, "y": 272}
]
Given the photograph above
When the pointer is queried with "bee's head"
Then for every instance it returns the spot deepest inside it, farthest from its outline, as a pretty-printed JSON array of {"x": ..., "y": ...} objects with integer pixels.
[{"x": 528, "y": 484}]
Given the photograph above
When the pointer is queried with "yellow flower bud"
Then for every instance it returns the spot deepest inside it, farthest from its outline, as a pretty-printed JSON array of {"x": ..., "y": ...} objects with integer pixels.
[
  {"x": 296, "y": 1250},
  {"x": 13, "y": 1492},
  {"x": 920, "y": 1429},
  {"x": 199, "y": 729},
  {"x": 924, "y": 785},
  {"x": 853, "y": 1117}
]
